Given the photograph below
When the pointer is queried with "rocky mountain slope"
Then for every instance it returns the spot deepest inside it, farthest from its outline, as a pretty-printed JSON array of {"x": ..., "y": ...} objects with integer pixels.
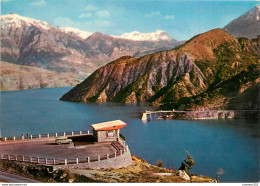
[
  {"x": 80, "y": 33},
  {"x": 209, "y": 62},
  {"x": 247, "y": 25},
  {"x": 20, "y": 77},
  {"x": 25, "y": 41},
  {"x": 115, "y": 47}
]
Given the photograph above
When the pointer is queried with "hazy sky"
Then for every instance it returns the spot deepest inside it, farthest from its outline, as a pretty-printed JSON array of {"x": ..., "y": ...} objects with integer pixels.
[{"x": 181, "y": 19}]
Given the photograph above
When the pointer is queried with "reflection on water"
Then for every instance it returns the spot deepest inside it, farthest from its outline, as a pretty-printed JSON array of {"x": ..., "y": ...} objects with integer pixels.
[{"x": 228, "y": 144}]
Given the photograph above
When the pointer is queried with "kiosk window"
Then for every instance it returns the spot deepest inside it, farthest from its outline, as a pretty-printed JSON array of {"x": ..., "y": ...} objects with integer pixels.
[{"x": 110, "y": 133}]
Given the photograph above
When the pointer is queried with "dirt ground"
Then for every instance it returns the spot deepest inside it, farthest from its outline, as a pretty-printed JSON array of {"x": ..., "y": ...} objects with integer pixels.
[
  {"x": 138, "y": 172},
  {"x": 3, "y": 181}
]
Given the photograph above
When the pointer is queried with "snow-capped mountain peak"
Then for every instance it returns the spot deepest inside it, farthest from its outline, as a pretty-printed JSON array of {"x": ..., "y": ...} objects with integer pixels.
[
  {"x": 153, "y": 36},
  {"x": 80, "y": 33},
  {"x": 14, "y": 20},
  {"x": 246, "y": 25},
  {"x": 254, "y": 13}
]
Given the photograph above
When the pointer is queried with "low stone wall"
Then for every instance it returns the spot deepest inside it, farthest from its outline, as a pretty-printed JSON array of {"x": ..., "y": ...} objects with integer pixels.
[
  {"x": 120, "y": 161},
  {"x": 212, "y": 114},
  {"x": 195, "y": 115}
]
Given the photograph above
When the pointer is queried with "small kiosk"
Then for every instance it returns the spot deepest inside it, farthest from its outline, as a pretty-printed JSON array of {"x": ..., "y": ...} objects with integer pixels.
[{"x": 107, "y": 131}]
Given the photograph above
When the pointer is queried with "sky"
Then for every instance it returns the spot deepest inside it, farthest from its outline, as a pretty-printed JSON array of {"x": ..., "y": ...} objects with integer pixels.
[{"x": 181, "y": 19}]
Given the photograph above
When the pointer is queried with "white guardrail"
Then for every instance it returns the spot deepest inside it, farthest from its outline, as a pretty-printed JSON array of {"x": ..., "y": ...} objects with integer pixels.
[
  {"x": 48, "y": 135},
  {"x": 53, "y": 161}
]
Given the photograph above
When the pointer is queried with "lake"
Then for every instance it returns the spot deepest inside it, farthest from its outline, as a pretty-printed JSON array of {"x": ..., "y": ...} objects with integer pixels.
[{"x": 228, "y": 144}]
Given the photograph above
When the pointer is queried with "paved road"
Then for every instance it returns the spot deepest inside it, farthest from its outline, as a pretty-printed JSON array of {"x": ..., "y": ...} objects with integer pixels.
[
  {"x": 46, "y": 148},
  {"x": 12, "y": 178}
]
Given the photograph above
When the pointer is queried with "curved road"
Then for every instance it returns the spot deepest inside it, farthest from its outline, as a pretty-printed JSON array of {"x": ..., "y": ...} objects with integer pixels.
[{"x": 13, "y": 178}]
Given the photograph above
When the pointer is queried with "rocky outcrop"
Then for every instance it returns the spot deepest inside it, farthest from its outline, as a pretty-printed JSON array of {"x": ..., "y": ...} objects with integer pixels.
[
  {"x": 184, "y": 175},
  {"x": 19, "y": 77},
  {"x": 200, "y": 72}
]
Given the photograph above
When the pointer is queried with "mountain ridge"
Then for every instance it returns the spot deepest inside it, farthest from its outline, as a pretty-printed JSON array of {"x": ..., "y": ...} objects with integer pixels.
[
  {"x": 16, "y": 20},
  {"x": 25, "y": 41},
  {"x": 189, "y": 70},
  {"x": 78, "y": 32},
  {"x": 152, "y": 36}
]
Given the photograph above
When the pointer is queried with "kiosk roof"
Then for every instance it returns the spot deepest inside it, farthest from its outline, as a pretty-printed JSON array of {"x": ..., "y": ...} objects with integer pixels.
[{"x": 110, "y": 125}]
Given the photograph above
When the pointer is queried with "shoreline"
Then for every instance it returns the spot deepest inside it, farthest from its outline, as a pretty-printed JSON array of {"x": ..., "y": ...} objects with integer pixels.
[{"x": 204, "y": 114}]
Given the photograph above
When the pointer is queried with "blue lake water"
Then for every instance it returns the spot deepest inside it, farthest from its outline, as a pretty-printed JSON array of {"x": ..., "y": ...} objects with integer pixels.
[{"x": 228, "y": 144}]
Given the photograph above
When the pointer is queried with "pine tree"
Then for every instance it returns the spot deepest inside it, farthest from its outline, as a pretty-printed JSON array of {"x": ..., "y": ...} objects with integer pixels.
[{"x": 187, "y": 164}]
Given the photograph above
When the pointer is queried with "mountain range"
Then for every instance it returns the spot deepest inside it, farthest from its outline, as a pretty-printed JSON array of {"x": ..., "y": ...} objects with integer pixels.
[
  {"x": 154, "y": 36},
  {"x": 76, "y": 54},
  {"x": 209, "y": 71},
  {"x": 30, "y": 42}
]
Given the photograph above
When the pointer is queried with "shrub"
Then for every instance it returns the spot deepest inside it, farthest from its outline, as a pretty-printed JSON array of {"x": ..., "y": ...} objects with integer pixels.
[{"x": 159, "y": 163}]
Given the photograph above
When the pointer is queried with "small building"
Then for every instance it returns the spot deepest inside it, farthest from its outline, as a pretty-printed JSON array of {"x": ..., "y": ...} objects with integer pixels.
[{"x": 107, "y": 131}]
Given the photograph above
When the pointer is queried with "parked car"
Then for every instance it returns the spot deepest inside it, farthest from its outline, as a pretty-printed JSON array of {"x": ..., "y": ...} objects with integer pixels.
[{"x": 63, "y": 140}]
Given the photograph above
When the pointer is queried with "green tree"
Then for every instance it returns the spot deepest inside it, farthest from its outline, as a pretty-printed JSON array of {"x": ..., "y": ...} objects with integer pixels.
[{"x": 187, "y": 164}]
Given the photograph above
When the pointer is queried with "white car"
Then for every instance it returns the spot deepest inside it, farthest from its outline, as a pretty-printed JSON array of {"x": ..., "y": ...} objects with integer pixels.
[{"x": 63, "y": 140}]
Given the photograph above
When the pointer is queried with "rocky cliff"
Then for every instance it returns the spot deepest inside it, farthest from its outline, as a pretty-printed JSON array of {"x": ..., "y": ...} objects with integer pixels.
[
  {"x": 20, "y": 77},
  {"x": 204, "y": 63}
]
